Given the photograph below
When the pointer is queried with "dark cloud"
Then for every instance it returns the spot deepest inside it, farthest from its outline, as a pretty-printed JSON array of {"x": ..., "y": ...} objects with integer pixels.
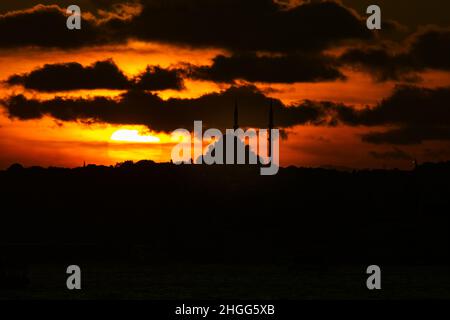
[
  {"x": 45, "y": 26},
  {"x": 137, "y": 107},
  {"x": 278, "y": 69},
  {"x": 407, "y": 12},
  {"x": 407, "y": 106},
  {"x": 73, "y": 76},
  {"x": 100, "y": 75},
  {"x": 299, "y": 32},
  {"x": 408, "y": 135},
  {"x": 414, "y": 114},
  {"x": 156, "y": 78},
  {"x": 394, "y": 154},
  {"x": 417, "y": 114},
  {"x": 411, "y": 114},
  {"x": 428, "y": 49},
  {"x": 251, "y": 25},
  {"x": 381, "y": 64},
  {"x": 431, "y": 49},
  {"x": 250, "y": 67}
]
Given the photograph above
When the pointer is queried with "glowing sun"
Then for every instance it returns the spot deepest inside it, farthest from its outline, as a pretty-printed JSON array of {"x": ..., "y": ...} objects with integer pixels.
[{"x": 125, "y": 135}]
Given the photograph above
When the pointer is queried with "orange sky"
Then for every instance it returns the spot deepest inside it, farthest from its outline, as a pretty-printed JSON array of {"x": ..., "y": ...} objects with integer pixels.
[{"x": 48, "y": 142}]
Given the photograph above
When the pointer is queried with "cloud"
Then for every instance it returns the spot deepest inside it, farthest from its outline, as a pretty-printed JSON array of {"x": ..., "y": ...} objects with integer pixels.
[
  {"x": 273, "y": 69},
  {"x": 138, "y": 107},
  {"x": 409, "y": 13},
  {"x": 382, "y": 65},
  {"x": 408, "y": 135},
  {"x": 72, "y": 76},
  {"x": 250, "y": 67},
  {"x": 45, "y": 26},
  {"x": 408, "y": 106},
  {"x": 156, "y": 78},
  {"x": 411, "y": 115},
  {"x": 431, "y": 48},
  {"x": 100, "y": 75},
  {"x": 426, "y": 49},
  {"x": 299, "y": 32},
  {"x": 416, "y": 115},
  {"x": 251, "y": 25}
]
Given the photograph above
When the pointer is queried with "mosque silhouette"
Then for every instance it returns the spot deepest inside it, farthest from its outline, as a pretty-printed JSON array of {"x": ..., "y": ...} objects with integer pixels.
[{"x": 239, "y": 144}]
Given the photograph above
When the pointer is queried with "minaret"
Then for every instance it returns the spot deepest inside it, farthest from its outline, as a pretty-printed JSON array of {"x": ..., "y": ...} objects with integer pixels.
[
  {"x": 235, "y": 127},
  {"x": 236, "y": 116},
  {"x": 269, "y": 137}
]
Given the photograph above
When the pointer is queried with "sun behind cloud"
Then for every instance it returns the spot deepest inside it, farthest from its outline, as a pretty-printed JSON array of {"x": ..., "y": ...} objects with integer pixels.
[{"x": 126, "y": 135}]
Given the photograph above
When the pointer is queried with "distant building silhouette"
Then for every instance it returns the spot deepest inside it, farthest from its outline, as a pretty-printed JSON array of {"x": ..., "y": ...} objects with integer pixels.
[
  {"x": 415, "y": 164},
  {"x": 236, "y": 116},
  {"x": 271, "y": 126},
  {"x": 238, "y": 144}
]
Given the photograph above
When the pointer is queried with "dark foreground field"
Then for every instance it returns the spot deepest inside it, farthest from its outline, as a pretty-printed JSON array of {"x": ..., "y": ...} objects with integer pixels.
[
  {"x": 188, "y": 281},
  {"x": 159, "y": 231}
]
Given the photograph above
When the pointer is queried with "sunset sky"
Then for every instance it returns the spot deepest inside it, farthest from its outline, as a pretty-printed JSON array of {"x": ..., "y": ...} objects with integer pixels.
[{"x": 344, "y": 96}]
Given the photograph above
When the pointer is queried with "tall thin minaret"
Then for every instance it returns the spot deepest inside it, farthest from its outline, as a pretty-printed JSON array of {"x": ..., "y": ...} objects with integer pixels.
[
  {"x": 236, "y": 116},
  {"x": 269, "y": 137},
  {"x": 235, "y": 127}
]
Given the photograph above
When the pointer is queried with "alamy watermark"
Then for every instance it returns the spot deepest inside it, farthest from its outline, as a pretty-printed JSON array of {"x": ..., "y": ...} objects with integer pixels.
[
  {"x": 373, "y": 22},
  {"x": 74, "y": 280},
  {"x": 263, "y": 147}
]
